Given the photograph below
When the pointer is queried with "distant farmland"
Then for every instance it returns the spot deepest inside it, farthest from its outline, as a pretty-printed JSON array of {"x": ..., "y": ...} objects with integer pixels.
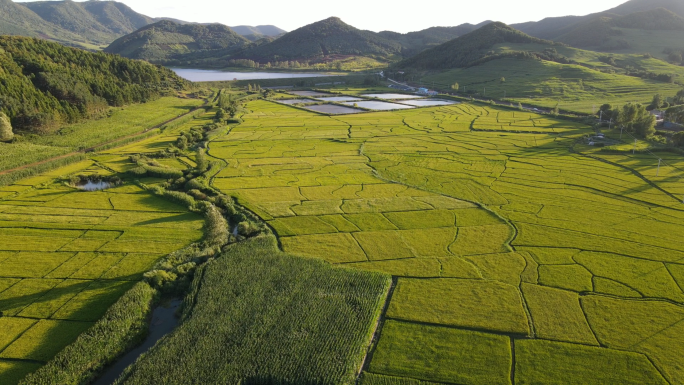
[{"x": 508, "y": 237}]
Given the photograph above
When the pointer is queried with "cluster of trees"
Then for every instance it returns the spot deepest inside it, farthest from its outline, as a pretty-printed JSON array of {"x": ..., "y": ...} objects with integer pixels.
[
  {"x": 6, "y": 133},
  {"x": 638, "y": 73},
  {"x": 674, "y": 55},
  {"x": 634, "y": 117},
  {"x": 45, "y": 84}
]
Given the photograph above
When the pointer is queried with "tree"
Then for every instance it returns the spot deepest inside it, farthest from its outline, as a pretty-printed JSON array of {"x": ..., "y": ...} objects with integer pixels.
[
  {"x": 635, "y": 118},
  {"x": 520, "y": 107},
  {"x": 201, "y": 161},
  {"x": 502, "y": 80},
  {"x": 220, "y": 115},
  {"x": 679, "y": 98},
  {"x": 675, "y": 57},
  {"x": 6, "y": 133},
  {"x": 455, "y": 86},
  {"x": 678, "y": 139},
  {"x": 556, "y": 110},
  {"x": 657, "y": 102}
]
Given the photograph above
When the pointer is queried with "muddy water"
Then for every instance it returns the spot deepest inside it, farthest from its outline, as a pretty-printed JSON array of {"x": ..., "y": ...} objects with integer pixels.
[{"x": 163, "y": 322}]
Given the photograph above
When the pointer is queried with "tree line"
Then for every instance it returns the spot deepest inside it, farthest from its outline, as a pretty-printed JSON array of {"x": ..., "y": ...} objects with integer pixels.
[{"x": 44, "y": 84}]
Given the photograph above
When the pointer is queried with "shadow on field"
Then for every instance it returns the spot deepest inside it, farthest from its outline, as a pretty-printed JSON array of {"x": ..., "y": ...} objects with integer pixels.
[{"x": 94, "y": 306}]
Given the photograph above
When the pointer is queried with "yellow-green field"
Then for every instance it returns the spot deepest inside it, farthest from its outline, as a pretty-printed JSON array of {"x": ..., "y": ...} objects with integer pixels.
[
  {"x": 67, "y": 255},
  {"x": 521, "y": 256}
]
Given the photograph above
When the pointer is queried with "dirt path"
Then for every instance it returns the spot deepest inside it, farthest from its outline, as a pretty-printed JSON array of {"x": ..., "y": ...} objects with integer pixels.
[{"x": 91, "y": 149}]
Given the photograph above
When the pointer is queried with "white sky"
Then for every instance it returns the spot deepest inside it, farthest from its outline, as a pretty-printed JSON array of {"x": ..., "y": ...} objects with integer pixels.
[{"x": 374, "y": 15}]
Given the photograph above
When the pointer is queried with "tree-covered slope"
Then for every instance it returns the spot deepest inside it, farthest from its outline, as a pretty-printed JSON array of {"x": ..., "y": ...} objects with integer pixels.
[
  {"x": 323, "y": 39},
  {"x": 44, "y": 84},
  {"x": 16, "y": 19},
  {"x": 414, "y": 42},
  {"x": 626, "y": 28},
  {"x": 470, "y": 48},
  {"x": 608, "y": 33},
  {"x": 166, "y": 40},
  {"x": 260, "y": 30},
  {"x": 86, "y": 24}
]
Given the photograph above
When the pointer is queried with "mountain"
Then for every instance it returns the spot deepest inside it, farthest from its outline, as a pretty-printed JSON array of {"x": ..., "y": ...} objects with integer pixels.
[
  {"x": 90, "y": 24},
  {"x": 607, "y": 33},
  {"x": 675, "y": 6},
  {"x": 323, "y": 40},
  {"x": 628, "y": 28},
  {"x": 99, "y": 22},
  {"x": 45, "y": 84},
  {"x": 470, "y": 48},
  {"x": 259, "y": 30},
  {"x": 414, "y": 42},
  {"x": 166, "y": 41},
  {"x": 16, "y": 19}
]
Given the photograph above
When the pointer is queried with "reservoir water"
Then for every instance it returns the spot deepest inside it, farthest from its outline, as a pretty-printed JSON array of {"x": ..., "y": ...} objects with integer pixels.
[{"x": 195, "y": 75}]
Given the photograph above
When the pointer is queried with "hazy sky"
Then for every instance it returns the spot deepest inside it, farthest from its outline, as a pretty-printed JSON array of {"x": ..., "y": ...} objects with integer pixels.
[{"x": 374, "y": 15}]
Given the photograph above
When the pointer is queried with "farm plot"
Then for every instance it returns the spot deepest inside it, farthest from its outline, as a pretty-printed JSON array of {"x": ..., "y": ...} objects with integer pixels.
[
  {"x": 261, "y": 315},
  {"x": 66, "y": 255},
  {"x": 491, "y": 225}
]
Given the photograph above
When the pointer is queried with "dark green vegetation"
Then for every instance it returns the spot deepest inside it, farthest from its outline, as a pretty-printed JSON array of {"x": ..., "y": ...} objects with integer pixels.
[
  {"x": 321, "y": 40},
  {"x": 258, "y": 32},
  {"x": 470, "y": 49},
  {"x": 46, "y": 84},
  {"x": 261, "y": 316},
  {"x": 327, "y": 44},
  {"x": 90, "y": 24},
  {"x": 177, "y": 44},
  {"x": 414, "y": 42},
  {"x": 637, "y": 26},
  {"x": 499, "y": 62}
]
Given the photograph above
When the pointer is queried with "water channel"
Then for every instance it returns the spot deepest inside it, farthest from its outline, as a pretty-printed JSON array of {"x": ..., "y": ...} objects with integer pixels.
[{"x": 197, "y": 75}]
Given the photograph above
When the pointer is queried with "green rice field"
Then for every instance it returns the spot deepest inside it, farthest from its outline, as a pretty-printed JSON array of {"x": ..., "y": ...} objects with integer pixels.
[
  {"x": 572, "y": 87},
  {"x": 123, "y": 121},
  {"x": 520, "y": 255},
  {"x": 67, "y": 255}
]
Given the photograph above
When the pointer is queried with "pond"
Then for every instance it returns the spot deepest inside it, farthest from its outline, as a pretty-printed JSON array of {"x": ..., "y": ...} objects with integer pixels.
[
  {"x": 333, "y": 109},
  {"x": 340, "y": 99},
  {"x": 428, "y": 102},
  {"x": 94, "y": 186},
  {"x": 196, "y": 75},
  {"x": 392, "y": 96},
  {"x": 297, "y": 101},
  {"x": 380, "y": 106}
]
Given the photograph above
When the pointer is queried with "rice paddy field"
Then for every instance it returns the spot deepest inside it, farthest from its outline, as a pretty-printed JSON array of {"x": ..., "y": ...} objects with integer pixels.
[
  {"x": 67, "y": 255},
  {"x": 122, "y": 122},
  {"x": 572, "y": 87},
  {"x": 520, "y": 255}
]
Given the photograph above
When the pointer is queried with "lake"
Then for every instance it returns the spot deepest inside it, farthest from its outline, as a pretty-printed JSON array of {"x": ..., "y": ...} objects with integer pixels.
[{"x": 195, "y": 75}]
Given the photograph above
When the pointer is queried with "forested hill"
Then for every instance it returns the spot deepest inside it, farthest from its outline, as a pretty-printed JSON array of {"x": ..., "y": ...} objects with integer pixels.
[
  {"x": 44, "y": 84},
  {"x": 469, "y": 49},
  {"x": 259, "y": 30},
  {"x": 414, "y": 42},
  {"x": 90, "y": 24},
  {"x": 326, "y": 38},
  {"x": 16, "y": 19},
  {"x": 166, "y": 40},
  {"x": 597, "y": 33},
  {"x": 637, "y": 26}
]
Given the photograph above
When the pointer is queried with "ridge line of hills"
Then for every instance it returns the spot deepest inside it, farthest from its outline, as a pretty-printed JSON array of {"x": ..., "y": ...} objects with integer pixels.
[{"x": 90, "y": 24}]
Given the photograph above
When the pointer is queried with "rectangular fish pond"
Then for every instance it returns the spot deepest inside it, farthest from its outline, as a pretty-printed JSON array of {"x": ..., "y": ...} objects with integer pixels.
[
  {"x": 379, "y": 106},
  {"x": 428, "y": 102},
  {"x": 392, "y": 96},
  {"x": 333, "y": 109}
]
